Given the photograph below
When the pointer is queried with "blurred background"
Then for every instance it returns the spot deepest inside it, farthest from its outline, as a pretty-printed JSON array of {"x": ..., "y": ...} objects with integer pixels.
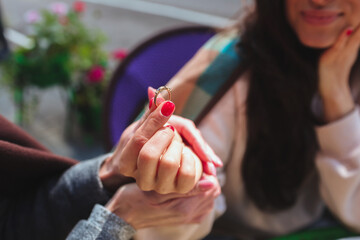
[{"x": 119, "y": 25}]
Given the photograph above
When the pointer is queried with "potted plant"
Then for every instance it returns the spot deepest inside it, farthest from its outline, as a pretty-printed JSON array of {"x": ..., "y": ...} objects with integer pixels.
[{"x": 65, "y": 53}]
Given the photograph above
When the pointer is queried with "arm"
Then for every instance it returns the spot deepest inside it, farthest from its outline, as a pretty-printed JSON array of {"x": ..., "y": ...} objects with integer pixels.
[
  {"x": 338, "y": 164},
  {"x": 102, "y": 224},
  {"x": 339, "y": 158},
  {"x": 52, "y": 210},
  {"x": 145, "y": 210}
]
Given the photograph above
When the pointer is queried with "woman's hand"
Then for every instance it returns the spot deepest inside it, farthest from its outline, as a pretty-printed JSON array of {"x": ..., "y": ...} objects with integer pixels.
[
  {"x": 156, "y": 157},
  {"x": 334, "y": 72},
  {"x": 148, "y": 209},
  {"x": 189, "y": 132}
]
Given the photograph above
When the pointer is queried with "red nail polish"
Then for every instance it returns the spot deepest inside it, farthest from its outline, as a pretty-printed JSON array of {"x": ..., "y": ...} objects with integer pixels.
[
  {"x": 205, "y": 185},
  {"x": 168, "y": 108},
  {"x": 212, "y": 168},
  {"x": 151, "y": 102},
  {"x": 349, "y": 32},
  {"x": 171, "y": 127},
  {"x": 217, "y": 161}
]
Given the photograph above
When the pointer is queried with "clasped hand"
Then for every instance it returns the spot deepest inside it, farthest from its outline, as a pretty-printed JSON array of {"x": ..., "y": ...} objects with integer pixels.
[{"x": 152, "y": 152}]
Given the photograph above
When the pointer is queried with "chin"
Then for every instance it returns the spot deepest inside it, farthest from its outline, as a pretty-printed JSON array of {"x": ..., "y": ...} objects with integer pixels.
[{"x": 318, "y": 43}]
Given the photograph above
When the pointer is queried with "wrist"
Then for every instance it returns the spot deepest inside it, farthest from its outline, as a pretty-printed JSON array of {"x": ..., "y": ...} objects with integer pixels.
[
  {"x": 337, "y": 104},
  {"x": 121, "y": 205},
  {"x": 334, "y": 92},
  {"x": 110, "y": 178}
]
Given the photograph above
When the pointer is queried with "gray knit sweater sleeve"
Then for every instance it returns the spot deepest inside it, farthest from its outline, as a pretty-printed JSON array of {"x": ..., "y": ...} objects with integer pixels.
[
  {"x": 102, "y": 225},
  {"x": 54, "y": 208}
]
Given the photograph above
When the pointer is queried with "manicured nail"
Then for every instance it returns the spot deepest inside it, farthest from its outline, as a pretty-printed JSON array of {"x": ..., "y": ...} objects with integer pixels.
[
  {"x": 151, "y": 92},
  {"x": 205, "y": 185},
  {"x": 168, "y": 108},
  {"x": 212, "y": 168},
  {"x": 171, "y": 127},
  {"x": 217, "y": 161},
  {"x": 151, "y": 102},
  {"x": 349, "y": 32}
]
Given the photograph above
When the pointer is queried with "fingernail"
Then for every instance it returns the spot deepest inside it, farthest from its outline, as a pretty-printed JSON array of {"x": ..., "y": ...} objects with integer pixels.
[
  {"x": 217, "y": 161},
  {"x": 349, "y": 32},
  {"x": 168, "y": 108},
  {"x": 151, "y": 102},
  {"x": 151, "y": 92},
  {"x": 205, "y": 185},
  {"x": 171, "y": 127},
  {"x": 212, "y": 168},
  {"x": 212, "y": 156}
]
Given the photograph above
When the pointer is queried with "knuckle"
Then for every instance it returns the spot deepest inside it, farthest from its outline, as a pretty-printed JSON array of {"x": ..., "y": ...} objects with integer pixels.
[
  {"x": 156, "y": 120},
  {"x": 139, "y": 140},
  {"x": 161, "y": 189},
  {"x": 169, "y": 163},
  {"x": 166, "y": 133},
  {"x": 188, "y": 176},
  {"x": 125, "y": 170},
  {"x": 183, "y": 190},
  {"x": 143, "y": 185},
  {"x": 185, "y": 187},
  {"x": 147, "y": 154}
]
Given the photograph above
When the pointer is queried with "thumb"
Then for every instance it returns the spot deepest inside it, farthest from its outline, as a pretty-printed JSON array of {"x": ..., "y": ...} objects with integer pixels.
[
  {"x": 151, "y": 96},
  {"x": 151, "y": 105}
]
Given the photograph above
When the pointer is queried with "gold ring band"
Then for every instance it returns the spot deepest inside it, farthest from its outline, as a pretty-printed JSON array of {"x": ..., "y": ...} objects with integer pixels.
[{"x": 159, "y": 90}]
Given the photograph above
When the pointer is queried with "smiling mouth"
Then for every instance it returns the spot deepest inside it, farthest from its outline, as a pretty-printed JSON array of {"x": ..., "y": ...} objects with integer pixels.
[{"x": 319, "y": 17}]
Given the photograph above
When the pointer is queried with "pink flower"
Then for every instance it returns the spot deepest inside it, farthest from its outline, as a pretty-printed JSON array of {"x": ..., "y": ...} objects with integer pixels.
[
  {"x": 96, "y": 74},
  {"x": 32, "y": 17},
  {"x": 119, "y": 54},
  {"x": 79, "y": 6},
  {"x": 59, "y": 8}
]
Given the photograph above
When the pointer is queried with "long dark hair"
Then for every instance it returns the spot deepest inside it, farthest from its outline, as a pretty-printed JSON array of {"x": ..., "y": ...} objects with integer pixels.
[{"x": 281, "y": 142}]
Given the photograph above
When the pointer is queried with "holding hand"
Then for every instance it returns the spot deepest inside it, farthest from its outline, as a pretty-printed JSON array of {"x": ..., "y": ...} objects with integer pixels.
[
  {"x": 156, "y": 156},
  {"x": 149, "y": 209},
  {"x": 334, "y": 72},
  {"x": 152, "y": 155}
]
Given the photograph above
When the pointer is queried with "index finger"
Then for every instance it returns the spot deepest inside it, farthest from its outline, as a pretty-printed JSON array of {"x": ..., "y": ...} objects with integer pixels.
[
  {"x": 150, "y": 126},
  {"x": 156, "y": 119}
]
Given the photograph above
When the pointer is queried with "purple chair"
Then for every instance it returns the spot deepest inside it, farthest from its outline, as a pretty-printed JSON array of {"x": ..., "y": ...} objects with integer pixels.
[{"x": 152, "y": 63}]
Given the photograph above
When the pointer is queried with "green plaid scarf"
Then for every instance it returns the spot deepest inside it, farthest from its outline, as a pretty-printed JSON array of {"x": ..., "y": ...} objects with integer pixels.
[{"x": 214, "y": 77}]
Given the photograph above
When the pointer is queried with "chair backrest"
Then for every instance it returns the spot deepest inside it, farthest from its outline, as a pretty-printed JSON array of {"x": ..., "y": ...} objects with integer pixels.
[{"x": 152, "y": 63}]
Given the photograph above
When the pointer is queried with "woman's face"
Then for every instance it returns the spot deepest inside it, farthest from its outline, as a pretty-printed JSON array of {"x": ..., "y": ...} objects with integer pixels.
[{"x": 318, "y": 23}]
